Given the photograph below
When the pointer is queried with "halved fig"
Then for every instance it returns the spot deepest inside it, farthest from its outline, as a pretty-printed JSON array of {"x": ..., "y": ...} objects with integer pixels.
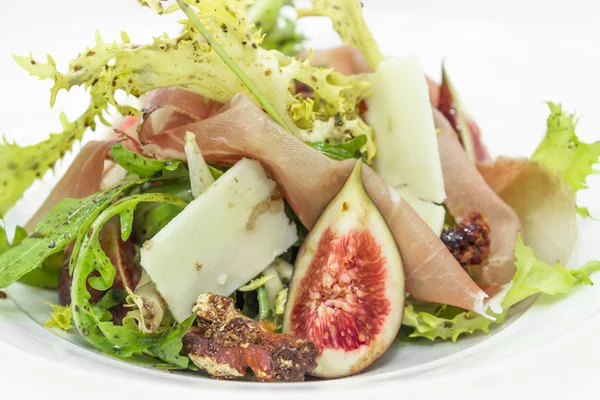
[{"x": 347, "y": 291}]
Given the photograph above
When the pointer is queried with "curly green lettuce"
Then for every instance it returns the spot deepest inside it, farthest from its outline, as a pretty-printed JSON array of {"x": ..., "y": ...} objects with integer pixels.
[
  {"x": 349, "y": 23},
  {"x": 279, "y": 31},
  {"x": 563, "y": 153},
  {"x": 60, "y": 317},
  {"x": 231, "y": 61},
  {"x": 533, "y": 277}
]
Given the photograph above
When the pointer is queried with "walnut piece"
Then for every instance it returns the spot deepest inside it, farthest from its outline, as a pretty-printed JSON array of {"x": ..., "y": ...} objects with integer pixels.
[
  {"x": 469, "y": 241},
  {"x": 226, "y": 343}
]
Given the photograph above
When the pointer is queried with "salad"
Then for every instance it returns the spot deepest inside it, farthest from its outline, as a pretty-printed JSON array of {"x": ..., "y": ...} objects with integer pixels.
[{"x": 269, "y": 212}]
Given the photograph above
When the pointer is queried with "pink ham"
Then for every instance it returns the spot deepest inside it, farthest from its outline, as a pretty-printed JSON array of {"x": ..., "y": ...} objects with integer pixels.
[
  {"x": 310, "y": 180},
  {"x": 172, "y": 107},
  {"x": 82, "y": 179},
  {"x": 467, "y": 191}
]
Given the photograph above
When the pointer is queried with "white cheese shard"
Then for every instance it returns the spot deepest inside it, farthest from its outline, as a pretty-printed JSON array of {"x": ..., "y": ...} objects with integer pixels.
[
  {"x": 221, "y": 240},
  {"x": 407, "y": 157}
]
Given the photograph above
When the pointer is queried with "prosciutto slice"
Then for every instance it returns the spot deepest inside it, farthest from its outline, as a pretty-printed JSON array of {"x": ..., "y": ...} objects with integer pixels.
[
  {"x": 82, "y": 179},
  {"x": 309, "y": 180},
  {"x": 168, "y": 108},
  {"x": 466, "y": 192}
]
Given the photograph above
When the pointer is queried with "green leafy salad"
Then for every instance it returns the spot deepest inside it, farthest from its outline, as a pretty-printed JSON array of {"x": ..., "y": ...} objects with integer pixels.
[{"x": 267, "y": 211}]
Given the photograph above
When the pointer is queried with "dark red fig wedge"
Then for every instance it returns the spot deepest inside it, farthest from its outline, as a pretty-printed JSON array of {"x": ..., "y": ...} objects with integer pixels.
[{"x": 347, "y": 291}]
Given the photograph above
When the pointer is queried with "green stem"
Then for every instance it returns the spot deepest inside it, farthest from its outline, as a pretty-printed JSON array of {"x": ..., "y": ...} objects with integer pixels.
[
  {"x": 263, "y": 303},
  {"x": 261, "y": 98}
]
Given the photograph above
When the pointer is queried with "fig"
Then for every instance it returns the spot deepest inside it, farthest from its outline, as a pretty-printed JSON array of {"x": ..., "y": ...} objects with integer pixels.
[{"x": 347, "y": 291}]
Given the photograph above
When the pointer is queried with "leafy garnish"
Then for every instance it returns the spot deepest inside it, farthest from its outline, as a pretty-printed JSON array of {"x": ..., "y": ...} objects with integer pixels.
[
  {"x": 21, "y": 166},
  {"x": 60, "y": 317},
  {"x": 279, "y": 30},
  {"x": 256, "y": 283},
  {"x": 170, "y": 346},
  {"x": 139, "y": 165},
  {"x": 341, "y": 151},
  {"x": 46, "y": 276},
  {"x": 563, "y": 153},
  {"x": 91, "y": 259},
  {"x": 280, "y": 301},
  {"x": 349, "y": 23},
  {"x": 54, "y": 233},
  {"x": 533, "y": 276},
  {"x": 233, "y": 52},
  {"x": 264, "y": 309}
]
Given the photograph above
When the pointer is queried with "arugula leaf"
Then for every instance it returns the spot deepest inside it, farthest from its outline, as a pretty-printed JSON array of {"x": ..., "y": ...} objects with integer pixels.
[
  {"x": 137, "y": 164},
  {"x": 343, "y": 151},
  {"x": 47, "y": 275},
  {"x": 91, "y": 258},
  {"x": 564, "y": 154},
  {"x": 349, "y": 23},
  {"x": 170, "y": 346},
  {"x": 533, "y": 276},
  {"x": 54, "y": 233},
  {"x": 60, "y": 317},
  {"x": 111, "y": 298}
]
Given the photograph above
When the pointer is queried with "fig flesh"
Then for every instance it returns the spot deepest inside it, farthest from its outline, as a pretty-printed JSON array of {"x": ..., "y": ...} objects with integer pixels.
[{"x": 347, "y": 291}]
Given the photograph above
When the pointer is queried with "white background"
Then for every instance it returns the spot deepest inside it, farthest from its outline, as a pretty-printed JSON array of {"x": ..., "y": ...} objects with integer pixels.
[{"x": 564, "y": 368}]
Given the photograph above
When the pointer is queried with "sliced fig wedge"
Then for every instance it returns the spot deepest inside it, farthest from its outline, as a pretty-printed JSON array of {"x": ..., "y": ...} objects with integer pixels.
[{"x": 347, "y": 291}]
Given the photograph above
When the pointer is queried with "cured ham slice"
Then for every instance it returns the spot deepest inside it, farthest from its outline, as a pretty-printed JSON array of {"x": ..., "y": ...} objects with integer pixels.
[
  {"x": 309, "y": 180},
  {"x": 82, "y": 179},
  {"x": 168, "y": 108},
  {"x": 544, "y": 203},
  {"x": 466, "y": 192}
]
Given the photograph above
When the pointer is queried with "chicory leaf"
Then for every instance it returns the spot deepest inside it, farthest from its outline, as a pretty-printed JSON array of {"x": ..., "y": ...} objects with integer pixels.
[
  {"x": 563, "y": 153},
  {"x": 60, "y": 317},
  {"x": 349, "y": 23},
  {"x": 533, "y": 276}
]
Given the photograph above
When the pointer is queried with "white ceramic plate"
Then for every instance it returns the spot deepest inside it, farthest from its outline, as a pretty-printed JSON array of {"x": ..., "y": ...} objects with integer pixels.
[{"x": 504, "y": 70}]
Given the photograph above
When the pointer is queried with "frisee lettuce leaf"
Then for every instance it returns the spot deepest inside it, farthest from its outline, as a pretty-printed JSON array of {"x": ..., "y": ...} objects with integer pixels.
[
  {"x": 349, "y": 23},
  {"x": 107, "y": 68},
  {"x": 280, "y": 31},
  {"x": 60, "y": 317},
  {"x": 563, "y": 153},
  {"x": 21, "y": 166},
  {"x": 533, "y": 277}
]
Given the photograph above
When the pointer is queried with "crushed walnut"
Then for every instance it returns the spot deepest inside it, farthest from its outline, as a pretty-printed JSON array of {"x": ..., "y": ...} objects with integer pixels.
[
  {"x": 469, "y": 241},
  {"x": 226, "y": 343}
]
